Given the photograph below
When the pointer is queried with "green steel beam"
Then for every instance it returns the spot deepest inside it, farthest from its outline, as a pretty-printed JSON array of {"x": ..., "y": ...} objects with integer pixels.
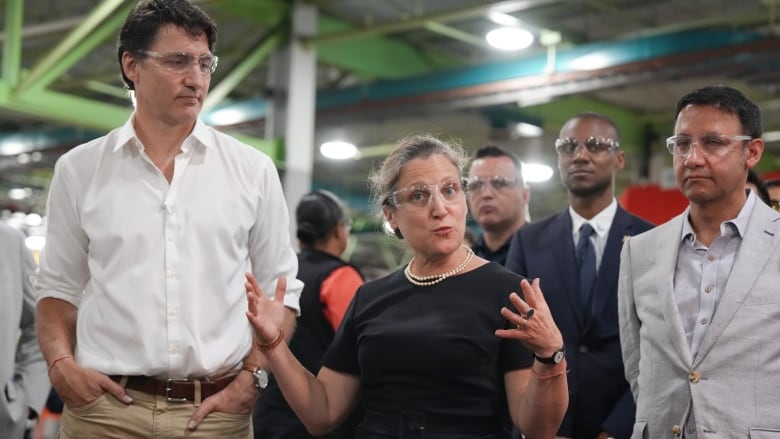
[
  {"x": 273, "y": 148},
  {"x": 70, "y": 43},
  {"x": 244, "y": 69},
  {"x": 456, "y": 34},
  {"x": 419, "y": 22},
  {"x": 378, "y": 57},
  {"x": 80, "y": 51},
  {"x": 12, "y": 47},
  {"x": 106, "y": 89},
  {"x": 68, "y": 109}
]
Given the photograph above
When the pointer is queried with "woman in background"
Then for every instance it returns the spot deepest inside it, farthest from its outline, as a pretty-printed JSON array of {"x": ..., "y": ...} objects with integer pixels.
[{"x": 323, "y": 228}]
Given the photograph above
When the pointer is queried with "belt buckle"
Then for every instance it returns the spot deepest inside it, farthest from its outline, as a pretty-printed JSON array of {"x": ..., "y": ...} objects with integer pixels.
[{"x": 168, "y": 390}]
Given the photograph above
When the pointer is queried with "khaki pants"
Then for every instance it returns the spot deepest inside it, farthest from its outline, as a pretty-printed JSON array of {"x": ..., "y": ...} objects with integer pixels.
[{"x": 149, "y": 416}]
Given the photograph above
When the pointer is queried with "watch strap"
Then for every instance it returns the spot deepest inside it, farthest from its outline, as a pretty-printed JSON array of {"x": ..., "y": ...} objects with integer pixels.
[{"x": 555, "y": 358}]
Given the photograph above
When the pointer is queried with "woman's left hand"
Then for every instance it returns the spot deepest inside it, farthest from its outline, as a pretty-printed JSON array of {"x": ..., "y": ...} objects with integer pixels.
[{"x": 533, "y": 325}]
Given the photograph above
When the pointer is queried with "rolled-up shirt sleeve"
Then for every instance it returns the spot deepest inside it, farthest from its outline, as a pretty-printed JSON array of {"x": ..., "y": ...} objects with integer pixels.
[
  {"x": 270, "y": 248},
  {"x": 63, "y": 264}
]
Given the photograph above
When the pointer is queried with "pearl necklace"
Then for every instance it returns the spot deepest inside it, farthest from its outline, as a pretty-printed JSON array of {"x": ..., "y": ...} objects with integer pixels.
[{"x": 424, "y": 281}]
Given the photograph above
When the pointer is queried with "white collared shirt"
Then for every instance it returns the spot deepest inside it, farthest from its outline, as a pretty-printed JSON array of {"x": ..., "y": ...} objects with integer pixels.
[
  {"x": 601, "y": 223},
  {"x": 157, "y": 269}
]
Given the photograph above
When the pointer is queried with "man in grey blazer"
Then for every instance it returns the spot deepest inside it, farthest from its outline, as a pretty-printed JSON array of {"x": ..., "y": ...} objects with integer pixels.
[
  {"x": 22, "y": 368},
  {"x": 699, "y": 296}
]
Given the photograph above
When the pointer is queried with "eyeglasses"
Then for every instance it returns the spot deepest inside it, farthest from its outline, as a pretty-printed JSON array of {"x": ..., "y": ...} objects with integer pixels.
[
  {"x": 420, "y": 195},
  {"x": 594, "y": 145},
  {"x": 476, "y": 184},
  {"x": 181, "y": 62},
  {"x": 715, "y": 145}
]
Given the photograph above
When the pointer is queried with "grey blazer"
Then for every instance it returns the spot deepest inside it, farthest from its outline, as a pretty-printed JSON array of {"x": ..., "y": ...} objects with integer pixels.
[
  {"x": 734, "y": 382},
  {"x": 22, "y": 368}
]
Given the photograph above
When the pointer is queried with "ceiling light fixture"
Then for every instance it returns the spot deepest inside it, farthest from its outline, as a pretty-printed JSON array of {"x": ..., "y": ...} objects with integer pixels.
[
  {"x": 509, "y": 38},
  {"x": 528, "y": 130},
  {"x": 536, "y": 172},
  {"x": 338, "y": 150}
]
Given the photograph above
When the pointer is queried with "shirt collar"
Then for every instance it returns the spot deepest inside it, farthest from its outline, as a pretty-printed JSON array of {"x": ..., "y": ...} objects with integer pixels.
[
  {"x": 200, "y": 135},
  {"x": 600, "y": 222},
  {"x": 739, "y": 224}
]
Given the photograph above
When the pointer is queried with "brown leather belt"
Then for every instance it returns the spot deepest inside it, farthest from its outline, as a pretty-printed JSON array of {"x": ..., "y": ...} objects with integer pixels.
[{"x": 176, "y": 390}]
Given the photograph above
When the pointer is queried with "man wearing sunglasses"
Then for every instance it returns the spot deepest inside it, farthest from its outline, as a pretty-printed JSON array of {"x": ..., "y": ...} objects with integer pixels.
[
  {"x": 151, "y": 230},
  {"x": 498, "y": 200},
  {"x": 699, "y": 296},
  {"x": 575, "y": 253}
]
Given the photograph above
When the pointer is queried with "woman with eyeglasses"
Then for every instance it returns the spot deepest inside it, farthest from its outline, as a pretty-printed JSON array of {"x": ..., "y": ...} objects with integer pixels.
[
  {"x": 441, "y": 349},
  {"x": 323, "y": 227}
]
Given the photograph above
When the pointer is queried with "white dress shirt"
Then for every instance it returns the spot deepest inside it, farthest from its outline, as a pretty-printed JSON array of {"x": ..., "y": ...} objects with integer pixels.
[
  {"x": 157, "y": 269},
  {"x": 601, "y": 222}
]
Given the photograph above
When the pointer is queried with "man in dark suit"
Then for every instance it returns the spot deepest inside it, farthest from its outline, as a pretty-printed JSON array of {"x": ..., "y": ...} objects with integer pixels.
[{"x": 576, "y": 255}]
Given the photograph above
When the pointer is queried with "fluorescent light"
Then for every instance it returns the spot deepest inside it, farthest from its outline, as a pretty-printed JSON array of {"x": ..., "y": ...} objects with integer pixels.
[
  {"x": 227, "y": 116},
  {"x": 536, "y": 172},
  {"x": 593, "y": 61},
  {"x": 503, "y": 19},
  {"x": 338, "y": 150},
  {"x": 18, "y": 193},
  {"x": 509, "y": 38},
  {"x": 524, "y": 129}
]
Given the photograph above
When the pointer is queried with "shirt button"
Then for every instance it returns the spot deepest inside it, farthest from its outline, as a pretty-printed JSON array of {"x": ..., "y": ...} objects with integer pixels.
[
  {"x": 711, "y": 257},
  {"x": 703, "y": 321},
  {"x": 676, "y": 431},
  {"x": 708, "y": 290},
  {"x": 694, "y": 377}
]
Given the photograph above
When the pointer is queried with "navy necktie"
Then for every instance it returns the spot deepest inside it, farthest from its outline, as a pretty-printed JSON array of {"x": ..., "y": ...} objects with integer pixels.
[{"x": 586, "y": 263}]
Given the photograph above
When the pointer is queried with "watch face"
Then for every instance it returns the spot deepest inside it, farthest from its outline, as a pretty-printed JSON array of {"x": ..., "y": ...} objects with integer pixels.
[
  {"x": 261, "y": 378},
  {"x": 558, "y": 357}
]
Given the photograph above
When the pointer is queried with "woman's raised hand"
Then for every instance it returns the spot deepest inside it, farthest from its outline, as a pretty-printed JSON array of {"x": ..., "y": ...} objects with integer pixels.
[
  {"x": 266, "y": 315},
  {"x": 533, "y": 324}
]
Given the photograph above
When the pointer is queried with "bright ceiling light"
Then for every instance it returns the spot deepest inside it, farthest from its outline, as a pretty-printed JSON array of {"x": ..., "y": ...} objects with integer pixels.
[
  {"x": 524, "y": 129},
  {"x": 509, "y": 38},
  {"x": 18, "y": 193},
  {"x": 593, "y": 61},
  {"x": 536, "y": 172},
  {"x": 338, "y": 150},
  {"x": 227, "y": 116},
  {"x": 503, "y": 19}
]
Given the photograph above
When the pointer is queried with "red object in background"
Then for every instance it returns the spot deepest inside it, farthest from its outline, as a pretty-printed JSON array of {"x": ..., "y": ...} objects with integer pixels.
[
  {"x": 772, "y": 175},
  {"x": 653, "y": 203}
]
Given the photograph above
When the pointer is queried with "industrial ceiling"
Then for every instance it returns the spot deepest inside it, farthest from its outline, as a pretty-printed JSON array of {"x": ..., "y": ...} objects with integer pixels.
[{"x": 390, "y": 67}]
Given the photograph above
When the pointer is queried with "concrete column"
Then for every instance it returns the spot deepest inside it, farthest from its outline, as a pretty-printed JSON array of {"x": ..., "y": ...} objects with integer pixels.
[{"x": 291, "y": 116}]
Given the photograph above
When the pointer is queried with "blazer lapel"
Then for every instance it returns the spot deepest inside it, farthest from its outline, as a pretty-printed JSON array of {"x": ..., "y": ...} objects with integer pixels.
[
  {"x": 761, "y": 237},
  {"x": 560, "y": 240},
  {"x": 665, "y": 264},
  {"x": 605, "y": 281}
]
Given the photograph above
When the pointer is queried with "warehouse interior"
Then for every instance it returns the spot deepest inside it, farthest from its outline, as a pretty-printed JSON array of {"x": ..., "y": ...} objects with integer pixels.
[{"x": 388, "y": 68}]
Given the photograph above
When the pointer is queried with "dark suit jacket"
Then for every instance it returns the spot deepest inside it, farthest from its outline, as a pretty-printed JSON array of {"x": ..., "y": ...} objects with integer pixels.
[{"x": 599, "y": 395}]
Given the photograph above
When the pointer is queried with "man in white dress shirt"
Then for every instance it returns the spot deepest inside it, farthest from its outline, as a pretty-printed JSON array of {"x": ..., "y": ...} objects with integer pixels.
[{"x": 151, "y": 229}]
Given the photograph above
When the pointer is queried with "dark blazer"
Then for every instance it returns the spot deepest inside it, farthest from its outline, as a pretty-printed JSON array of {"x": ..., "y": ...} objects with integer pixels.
[{"x": 599, "y": 395}]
